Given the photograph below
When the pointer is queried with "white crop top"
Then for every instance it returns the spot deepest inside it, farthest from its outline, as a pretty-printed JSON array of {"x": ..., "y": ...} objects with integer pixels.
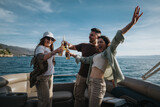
[{"x": 100, "y": 62}]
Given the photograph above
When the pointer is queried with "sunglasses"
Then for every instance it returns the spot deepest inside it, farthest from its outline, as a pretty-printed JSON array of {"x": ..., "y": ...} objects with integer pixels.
[{"x": 48, "y": 38}]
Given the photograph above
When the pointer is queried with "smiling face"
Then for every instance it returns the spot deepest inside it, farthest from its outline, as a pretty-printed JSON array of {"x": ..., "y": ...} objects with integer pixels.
[
  {"x": 48, "y": 41},
  {"x": 101, "y": 45}
]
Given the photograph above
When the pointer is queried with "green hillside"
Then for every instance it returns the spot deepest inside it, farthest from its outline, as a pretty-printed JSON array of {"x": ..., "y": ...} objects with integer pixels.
[{"x": 14, "y": 50}]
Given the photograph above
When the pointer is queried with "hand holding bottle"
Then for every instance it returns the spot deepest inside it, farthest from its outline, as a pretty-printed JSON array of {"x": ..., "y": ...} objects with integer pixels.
[
  {"x": 62, "y": 47},
  {"x": 59, "y": 51},
  {"x": 64, "y": 43},
  {"x": 73, "y": 55},
  {"x": 67, "y": 54}
]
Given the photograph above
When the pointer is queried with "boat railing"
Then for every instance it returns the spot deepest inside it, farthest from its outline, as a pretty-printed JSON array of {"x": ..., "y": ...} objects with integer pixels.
[{"x": 152, "y": 71}]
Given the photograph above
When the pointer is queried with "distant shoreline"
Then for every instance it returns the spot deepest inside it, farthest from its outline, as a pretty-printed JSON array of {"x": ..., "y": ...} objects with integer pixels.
[{"x": 1, "y": 55}]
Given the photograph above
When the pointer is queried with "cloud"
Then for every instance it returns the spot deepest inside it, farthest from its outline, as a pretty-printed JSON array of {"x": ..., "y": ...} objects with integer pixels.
[
  {"x": 44, "y": 6},
  {"x": 7, "y": 16},
  {"x": 2, "y": 2},
  {"x": 140, "y": 42},
  {"x": 150, "y": 17},
  {"x": 37, "y": 5},
  {"x": 6, "y": 29}
]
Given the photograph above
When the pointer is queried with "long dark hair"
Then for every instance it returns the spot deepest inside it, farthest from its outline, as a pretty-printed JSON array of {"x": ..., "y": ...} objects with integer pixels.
[
  {"x": 42, "y": 43},
  {"x": 106, "y": 40}
]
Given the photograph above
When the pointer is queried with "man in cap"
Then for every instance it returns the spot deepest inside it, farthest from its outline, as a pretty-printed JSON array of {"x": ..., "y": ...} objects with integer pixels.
[{"x": 87, "y": 49}]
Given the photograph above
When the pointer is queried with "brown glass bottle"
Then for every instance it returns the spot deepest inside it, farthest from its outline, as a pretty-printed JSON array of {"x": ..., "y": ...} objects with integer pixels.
[{"x": 67, "y": 54}]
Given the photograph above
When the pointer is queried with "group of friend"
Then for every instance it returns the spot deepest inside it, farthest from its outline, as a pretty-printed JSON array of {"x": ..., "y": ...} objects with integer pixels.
[{"x": 98, "y": 62}]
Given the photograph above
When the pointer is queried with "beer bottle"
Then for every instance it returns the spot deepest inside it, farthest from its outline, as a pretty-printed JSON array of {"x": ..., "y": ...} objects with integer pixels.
[
  {"x": 62, "y": 47},
  {"x": 67, "y": 53},
  {"x": 60, "y": 54},
  {"x": 64, "y": 44}
]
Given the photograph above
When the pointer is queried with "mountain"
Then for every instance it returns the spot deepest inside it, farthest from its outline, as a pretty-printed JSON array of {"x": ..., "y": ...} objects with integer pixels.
[{"x": 18, "y": 51}]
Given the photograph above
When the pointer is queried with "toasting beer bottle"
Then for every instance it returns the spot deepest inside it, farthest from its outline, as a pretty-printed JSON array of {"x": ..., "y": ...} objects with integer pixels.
[
  {"x": 67, "y": 53},
  {"x": 64, "y": 44},
  {"x": 62, "y": 47},
  {"x": 60, "y": 54}
]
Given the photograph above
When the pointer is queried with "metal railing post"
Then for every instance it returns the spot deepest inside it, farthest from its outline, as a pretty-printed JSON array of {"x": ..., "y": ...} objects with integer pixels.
[{"x": 150, "y": 73}]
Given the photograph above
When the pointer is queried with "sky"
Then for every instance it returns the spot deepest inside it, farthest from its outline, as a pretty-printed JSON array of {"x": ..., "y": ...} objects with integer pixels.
[{"x": 23, "y": 22}]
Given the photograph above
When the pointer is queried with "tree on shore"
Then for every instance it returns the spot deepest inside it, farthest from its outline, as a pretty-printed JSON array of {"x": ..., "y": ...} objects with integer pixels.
[
  {"x": 8, "y": 50},
  {"x": 5, "y": 51}
]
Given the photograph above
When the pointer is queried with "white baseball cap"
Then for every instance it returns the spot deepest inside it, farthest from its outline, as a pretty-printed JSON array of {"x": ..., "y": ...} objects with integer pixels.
[{"x": 48, "y": 34}]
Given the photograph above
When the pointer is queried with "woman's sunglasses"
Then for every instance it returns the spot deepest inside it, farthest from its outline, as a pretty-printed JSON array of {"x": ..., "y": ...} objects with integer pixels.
[{"x": 48, "y": 38}]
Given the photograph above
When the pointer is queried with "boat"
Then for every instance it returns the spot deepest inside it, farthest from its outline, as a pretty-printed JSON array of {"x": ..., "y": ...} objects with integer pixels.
[{"x": 15, "y": 91}]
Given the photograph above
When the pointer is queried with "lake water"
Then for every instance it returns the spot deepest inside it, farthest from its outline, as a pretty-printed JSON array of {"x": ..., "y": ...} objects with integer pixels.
[{"x": 133, "y": 66}]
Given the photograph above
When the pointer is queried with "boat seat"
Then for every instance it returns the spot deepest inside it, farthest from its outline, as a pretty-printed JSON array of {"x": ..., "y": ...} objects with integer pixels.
[
  {"x": 62, "y": 96},
  {"x": 13, "y": 99},
  {"x": 19, "y": 83},
  {"x": 146, "y": 88},
  {"x": 60, "y": 99},
  {"x": 136, "y": 98}
]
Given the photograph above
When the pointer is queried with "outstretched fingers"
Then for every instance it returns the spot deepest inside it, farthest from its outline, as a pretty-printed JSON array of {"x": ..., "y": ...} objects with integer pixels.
[
  {"x": 136, "y": 14},
  {"x": 136, "y": 10},
  {"x": 139, "y": 16}
]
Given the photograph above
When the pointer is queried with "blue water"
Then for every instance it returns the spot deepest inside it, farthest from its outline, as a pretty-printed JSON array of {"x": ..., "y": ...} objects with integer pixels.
[{"x": 133, "y": 67}]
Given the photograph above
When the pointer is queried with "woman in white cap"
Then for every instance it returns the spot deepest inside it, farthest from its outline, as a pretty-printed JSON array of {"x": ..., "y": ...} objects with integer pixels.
[{"x": 42, "y": 75}]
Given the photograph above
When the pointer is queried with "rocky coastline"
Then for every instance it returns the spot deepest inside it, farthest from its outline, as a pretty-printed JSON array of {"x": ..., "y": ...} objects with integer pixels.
[{"x": 1, "y": 55}]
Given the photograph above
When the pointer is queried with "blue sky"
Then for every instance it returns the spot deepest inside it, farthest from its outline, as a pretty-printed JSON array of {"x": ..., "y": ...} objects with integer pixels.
[{"x": 23, "y": 22}]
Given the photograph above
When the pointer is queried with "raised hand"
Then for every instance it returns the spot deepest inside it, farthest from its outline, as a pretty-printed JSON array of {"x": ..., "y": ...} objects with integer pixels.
[
  {"x": 135, "y": 18},
  {"x": 136, "y": 15}
]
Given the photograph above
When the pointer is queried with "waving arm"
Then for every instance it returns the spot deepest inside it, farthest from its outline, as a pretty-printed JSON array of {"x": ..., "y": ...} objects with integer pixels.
[{"x": 135, "y": 19}]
